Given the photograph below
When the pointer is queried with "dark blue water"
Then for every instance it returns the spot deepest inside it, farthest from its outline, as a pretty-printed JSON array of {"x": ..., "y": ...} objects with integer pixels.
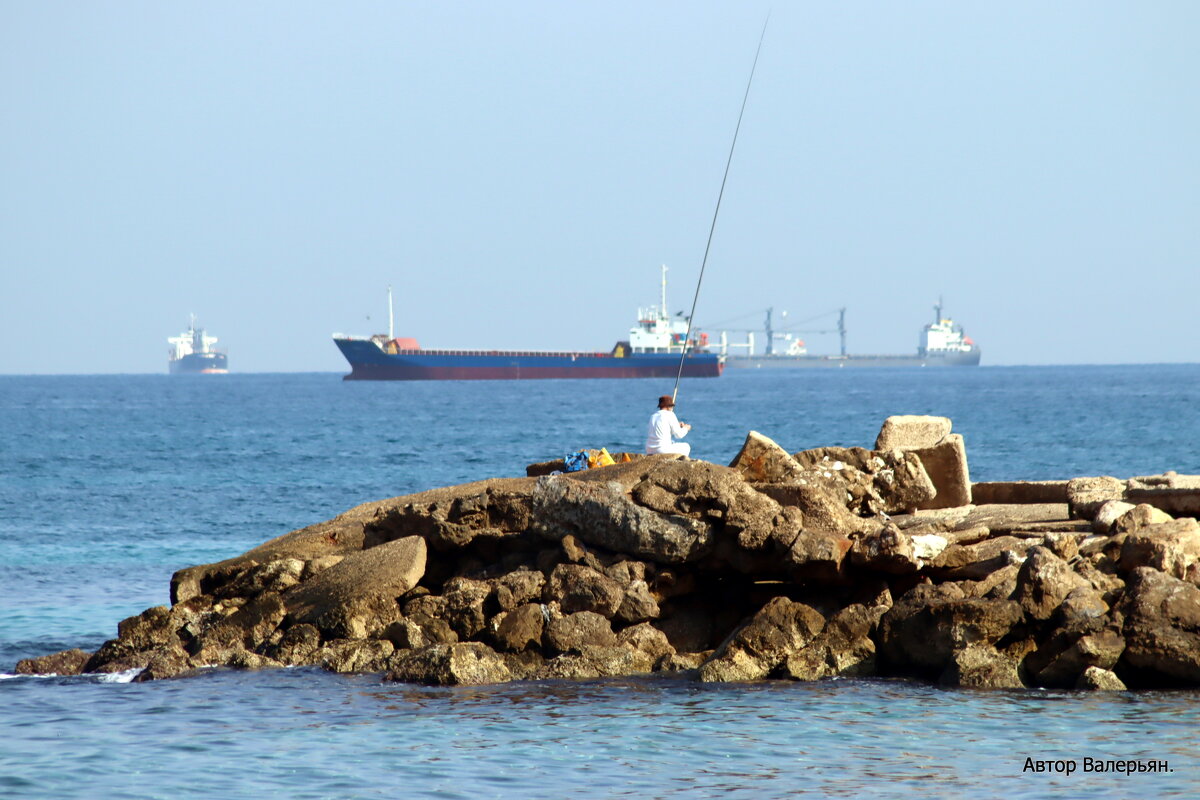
[{"x": 108, "y": 484}]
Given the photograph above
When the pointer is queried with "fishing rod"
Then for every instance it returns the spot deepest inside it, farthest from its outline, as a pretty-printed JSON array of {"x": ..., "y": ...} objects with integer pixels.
[{"x": 712, "y": 228}]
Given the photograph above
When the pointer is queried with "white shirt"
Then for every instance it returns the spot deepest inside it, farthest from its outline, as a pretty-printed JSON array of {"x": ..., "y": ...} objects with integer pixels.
[{"x": 663, "y": 425}]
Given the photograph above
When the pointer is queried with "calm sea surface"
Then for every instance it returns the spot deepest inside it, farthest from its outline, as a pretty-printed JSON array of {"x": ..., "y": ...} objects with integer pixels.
[{"x": 108, "y": 484}]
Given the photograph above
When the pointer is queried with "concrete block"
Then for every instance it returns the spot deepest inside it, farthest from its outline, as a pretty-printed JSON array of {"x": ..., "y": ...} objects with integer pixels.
[
  {"x": 1018, "y": 492},
  {"x": 946, "y": 464},
  {"x": 910, "y": 432}
]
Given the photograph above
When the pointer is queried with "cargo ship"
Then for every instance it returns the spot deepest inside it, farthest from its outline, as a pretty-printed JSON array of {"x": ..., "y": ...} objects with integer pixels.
[
  {"x": 942, "y": 344},
  {"x": 192, "y": 353},
  {"x": 653, "y": 350}
]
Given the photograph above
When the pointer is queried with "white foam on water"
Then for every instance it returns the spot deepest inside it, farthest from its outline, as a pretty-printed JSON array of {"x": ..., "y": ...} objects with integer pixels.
[{"x": 117, "y": 677}]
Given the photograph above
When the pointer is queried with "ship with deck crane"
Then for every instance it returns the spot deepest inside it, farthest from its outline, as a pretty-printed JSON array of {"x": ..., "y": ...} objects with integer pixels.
[{"x": 942, "y": 343}]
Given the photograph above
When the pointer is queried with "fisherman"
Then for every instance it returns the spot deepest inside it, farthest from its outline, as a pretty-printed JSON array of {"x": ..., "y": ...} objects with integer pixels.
[{"x": 663, "y": 426}]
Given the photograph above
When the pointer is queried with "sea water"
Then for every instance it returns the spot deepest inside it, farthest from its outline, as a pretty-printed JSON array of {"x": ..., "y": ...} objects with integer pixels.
[{"x": 108, "y": 484}]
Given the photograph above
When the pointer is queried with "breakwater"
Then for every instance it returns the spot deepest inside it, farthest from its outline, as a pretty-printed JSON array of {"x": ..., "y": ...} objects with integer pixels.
[{"x": 826, "y": 562}]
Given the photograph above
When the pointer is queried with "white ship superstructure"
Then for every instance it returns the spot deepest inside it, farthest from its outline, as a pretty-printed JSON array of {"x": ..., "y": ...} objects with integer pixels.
[
  {"x": 943, "y": 337},
  {"x": 657, "y": 331},
  {"x": 192, "y": 352}
]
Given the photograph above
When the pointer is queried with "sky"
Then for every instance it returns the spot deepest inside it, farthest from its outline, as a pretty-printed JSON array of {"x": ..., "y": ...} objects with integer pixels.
[{"x": 519, "y": 171}]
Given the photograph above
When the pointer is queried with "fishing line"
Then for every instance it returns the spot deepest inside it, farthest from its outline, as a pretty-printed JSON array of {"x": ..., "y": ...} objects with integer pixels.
[{"x": 687, "y": 338}]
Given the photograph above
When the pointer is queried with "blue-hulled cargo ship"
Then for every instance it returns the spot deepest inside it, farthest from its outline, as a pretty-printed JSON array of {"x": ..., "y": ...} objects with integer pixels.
[
  {"x": 192, "y": 353},
  {"x": 653, "y": 350}
]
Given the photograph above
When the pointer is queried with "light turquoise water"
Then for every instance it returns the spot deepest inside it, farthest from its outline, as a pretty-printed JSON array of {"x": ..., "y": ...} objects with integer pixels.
[{"x": 109, "y": 484}]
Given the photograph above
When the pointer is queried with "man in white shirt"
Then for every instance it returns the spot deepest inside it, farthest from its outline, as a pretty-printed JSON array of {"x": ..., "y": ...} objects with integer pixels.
[{"x": 663, "y": 425}]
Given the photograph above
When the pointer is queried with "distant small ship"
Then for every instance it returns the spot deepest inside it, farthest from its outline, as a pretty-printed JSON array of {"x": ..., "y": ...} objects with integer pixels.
[
  {"x": 942, "y": 344},
  {"x": 192, "y": 353}
]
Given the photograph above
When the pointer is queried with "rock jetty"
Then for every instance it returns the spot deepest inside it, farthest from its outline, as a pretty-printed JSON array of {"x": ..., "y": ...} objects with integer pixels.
[{"x": 833, "y": 562}]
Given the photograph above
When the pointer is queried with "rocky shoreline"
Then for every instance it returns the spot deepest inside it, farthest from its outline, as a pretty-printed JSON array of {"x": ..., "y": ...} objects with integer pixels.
[{"x": 823, "y": 563}]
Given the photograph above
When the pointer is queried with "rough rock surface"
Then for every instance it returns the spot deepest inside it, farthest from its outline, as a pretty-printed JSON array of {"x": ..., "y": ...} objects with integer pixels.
[
  {"x": 358, "y": 595},
  {"x": 1171, "y": 547},
  {"x": 946, "y": 464},
  {"x": 912, "y": 432},
  {"x": 462, "y": 664},
  {"x": 1086, "y": 496},
  {"x": 1162, "y": 628},
  {"x": 873, "y": 482},
  {"x": 604, "y": 516},
  {"x": 753, "y": 651},
  {"x": 67, "y": 662},
  {"x": 761, "y": 460}
]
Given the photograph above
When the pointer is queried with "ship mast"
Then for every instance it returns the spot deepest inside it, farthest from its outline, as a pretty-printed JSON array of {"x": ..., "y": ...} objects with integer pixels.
[
  {"x": 391, "y": 318},
  {"x": 663, "y": 307},
  {"x": 842, "y": 329}
]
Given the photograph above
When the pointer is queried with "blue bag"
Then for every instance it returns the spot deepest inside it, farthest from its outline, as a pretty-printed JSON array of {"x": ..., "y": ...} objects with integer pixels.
[{"x": 576, "y": 461}]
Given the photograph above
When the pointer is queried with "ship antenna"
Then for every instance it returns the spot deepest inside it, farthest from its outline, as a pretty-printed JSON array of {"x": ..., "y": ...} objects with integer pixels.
[
  {"x": 663, "y": 308},
  {"x": 688, "y": 337}
]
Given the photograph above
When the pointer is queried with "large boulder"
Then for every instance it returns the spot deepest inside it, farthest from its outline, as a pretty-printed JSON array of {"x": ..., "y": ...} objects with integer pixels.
[
  {"x": 571, "y": 632},
  {"x": 1107, "y": 515},
  {"x": 638, "y": 604},
  {"x": 817, "y": 554},
  {"x": 517, "y": 588},
  {"x": 820, "y": 506},
  {"x": 246, "y": 629},
  {"x": 355, "y": 655},
  {"x": 159, "y": 634},
  {"x": 592, "y": 661},
  {"x": 761, "y": 460},
  {"x": 892, "y": 550},
  {"x": 980, "y": 559},
  {"x": 1137, "y": 517},
  {"x": 921, "y": 632},
  {"x": 1171, "y": 547},
  {"x": 717, "y": 496},
  {"x": 782, "y": 627},
  {"x": 66, "y": 662},
  {"x": 451, "y": 518},
  {"x": 299, "y": 646},
  {"x": 578, "y": 588},
  {"x": 1162, "y": 630},
  {"x": 359, "y": 595},
  {"x": 463, "y": 608},
  {"x": 982, "y": 666},
  {"x": 843, "y": 648},
  {"x": 602, "y": 515},
  {"x": 1043, "y": 583},
  {"x": 1063, "y": 657},
  {"x": 1100, "y": 680},
  {"x": 941, "y": 452},
  {"x": 462, "y": 664},
  {"x": 342, "y": 535},
  {"x": 646, "y": 639},
  {"x": 522, "y": 628}
]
